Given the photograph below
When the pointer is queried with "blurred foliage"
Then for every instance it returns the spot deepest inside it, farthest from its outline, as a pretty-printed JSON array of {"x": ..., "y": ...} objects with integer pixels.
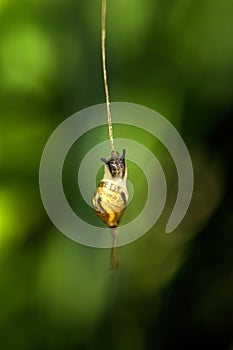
[{"x": 171, "y": 290}]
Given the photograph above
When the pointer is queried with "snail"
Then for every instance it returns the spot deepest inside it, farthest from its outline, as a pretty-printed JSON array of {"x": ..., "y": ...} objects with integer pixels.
[{"x": 111, "y": 196}]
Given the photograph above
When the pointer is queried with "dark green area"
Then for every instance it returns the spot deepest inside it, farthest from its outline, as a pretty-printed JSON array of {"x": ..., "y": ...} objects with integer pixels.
[{"x": 171, "y": 291}]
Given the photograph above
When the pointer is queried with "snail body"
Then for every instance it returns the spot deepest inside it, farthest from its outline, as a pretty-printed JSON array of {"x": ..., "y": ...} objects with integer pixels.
[
  {"x": 111, "y": 195},
  {"x": 111, "y": 198}
]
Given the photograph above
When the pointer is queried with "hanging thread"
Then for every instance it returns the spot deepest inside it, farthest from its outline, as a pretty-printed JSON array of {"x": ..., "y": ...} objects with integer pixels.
[{"x": 105, "y": 76}]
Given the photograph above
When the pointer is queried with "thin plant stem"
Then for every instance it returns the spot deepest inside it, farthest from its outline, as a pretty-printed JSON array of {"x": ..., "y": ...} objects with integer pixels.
[
  {"x": 103, "y": 45},
  {"x": 114, "y": 263},
  {"x": 114, "y": 231}
]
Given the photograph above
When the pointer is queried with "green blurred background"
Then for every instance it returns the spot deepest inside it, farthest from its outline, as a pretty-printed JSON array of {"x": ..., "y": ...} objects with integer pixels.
[{"x": 171, "y": 290}]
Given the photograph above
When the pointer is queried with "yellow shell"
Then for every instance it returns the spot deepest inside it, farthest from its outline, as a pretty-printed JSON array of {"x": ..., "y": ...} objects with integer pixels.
[{"x": 109, "y": 202}]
